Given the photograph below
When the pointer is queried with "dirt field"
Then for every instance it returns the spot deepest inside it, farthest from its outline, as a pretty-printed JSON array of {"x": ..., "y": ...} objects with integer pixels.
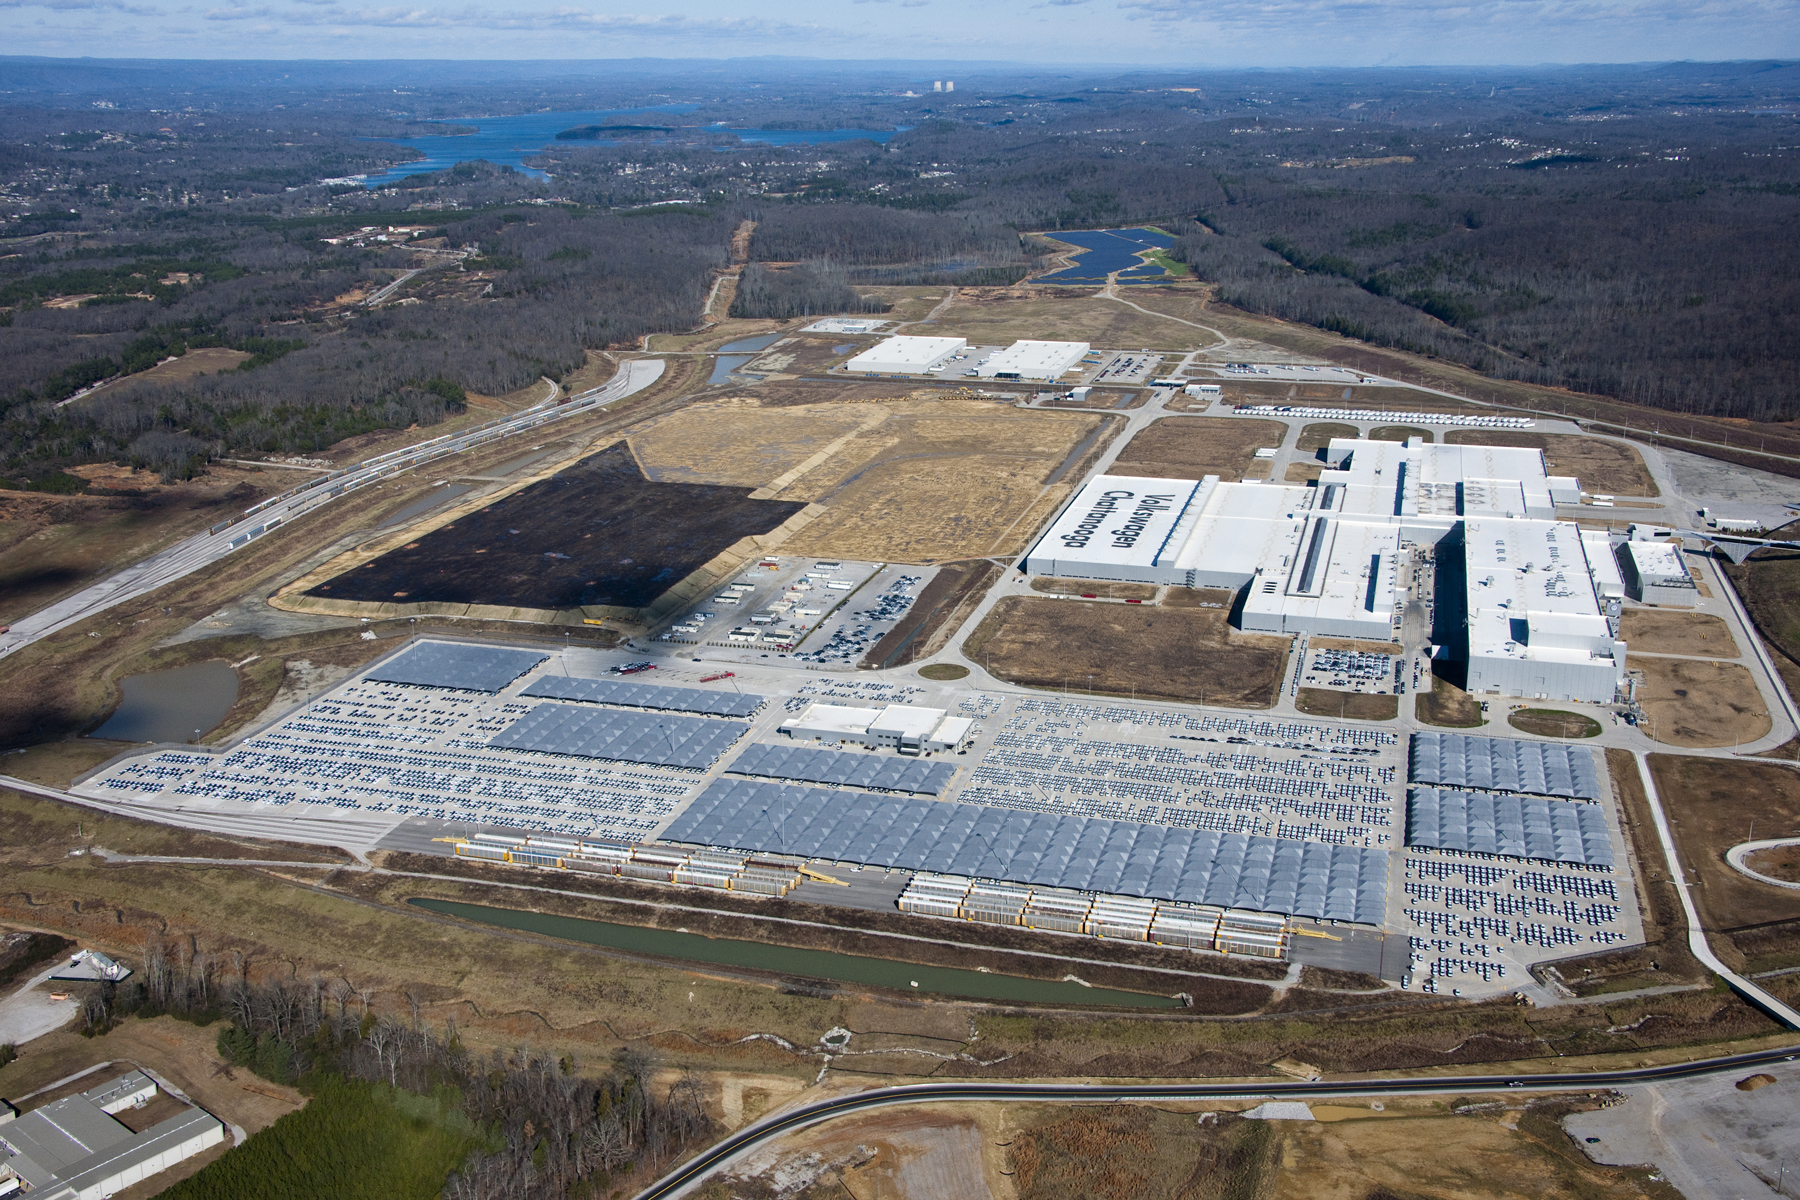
[
  {"x": 1192, "y": 447},
  {"x": 1712, "y": 803},
  {"x": 1180, "y": 597},
  {"x": 739, "y": 443},
  {"x": 1317, "y": 436},
  {"x": 1356, "y": 706},
  {"x": 1769, "y": 582},
  {"x": 1779, "y": 862},
  {"x": 1001, "y": 316},
  {"x": 1606, "y": 467},
  {"x": 1094, "y": 587},
  {"x": 1447, "y": 705},
  {"x": 944, "y": 1152},
  {"x": 1355, "y": 645},
  {"x": 1303, "y": 472},
  {"x": 1691, "y": 702},
  {"x": 1550, "y": 722},
  {"x": 1668, "y": 631},
  {"x": 596, "y": 533},
  {"x": 1179, "y": 654}
]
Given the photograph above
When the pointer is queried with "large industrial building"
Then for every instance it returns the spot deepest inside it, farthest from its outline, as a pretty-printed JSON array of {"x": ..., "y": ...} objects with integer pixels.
[
  {"x": 1047, "y": 361},
  {"x": 906, "y": 356},
  {"x": 77, "y": 1148},
  {"x": 1543, "y": 596}
]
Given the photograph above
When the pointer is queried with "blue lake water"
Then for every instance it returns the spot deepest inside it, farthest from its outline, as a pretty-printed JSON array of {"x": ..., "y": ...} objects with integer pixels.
[
  {"x": 175, "y": 705},
  {"x": 509, "y": 141},
  {"x": 1107, "y": 250},
  {"x": 761, "y": 341},
  {"x": 725, "y": 365}
]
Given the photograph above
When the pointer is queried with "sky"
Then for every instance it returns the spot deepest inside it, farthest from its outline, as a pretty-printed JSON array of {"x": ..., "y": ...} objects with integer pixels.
[{"x": 1199, "y": 33}]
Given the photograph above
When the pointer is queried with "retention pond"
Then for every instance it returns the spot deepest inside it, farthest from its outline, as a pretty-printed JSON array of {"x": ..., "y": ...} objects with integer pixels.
[
  {"x": 808, "y": 964},
  {"x": 174, "y": 705}
]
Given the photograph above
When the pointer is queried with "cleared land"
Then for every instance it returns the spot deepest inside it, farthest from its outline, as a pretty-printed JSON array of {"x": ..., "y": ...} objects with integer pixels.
[
  {"x": 1607, "y": 467},
  {"x": 1551, "y": 722},
  {"x": 1094, "y": 587},
  {"x": 1692, "y": 702},
  {"x": 739, "y": 443},
  {"x": 1666, "y": 631},
  {"x": 1001, "y": 316},
  {"x": 1355, "y": 645},
  {"x": 596, "y": 533},
  {"x": 1356, "y": 706},
  {"x": 1712, "y": 803},
  {"x": 1779, "y": 862},
  {"x": 1192, "y": 447},
  {"x": 1399, "y": 433},
  {"x": 1180, "y": 597},
  {"x": 1769, "y": 582},
  {"x": 935, "y": 616},
  {"x": 1176, "y": 653},
  {"x": 1303, "y": 472},
  {"x": 1447, "y": 705}
]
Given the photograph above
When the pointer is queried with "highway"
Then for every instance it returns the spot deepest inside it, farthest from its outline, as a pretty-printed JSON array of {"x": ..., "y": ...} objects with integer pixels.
[
  {"x": 749, "y": 1138},
  {"x": 190, "y": 555}
]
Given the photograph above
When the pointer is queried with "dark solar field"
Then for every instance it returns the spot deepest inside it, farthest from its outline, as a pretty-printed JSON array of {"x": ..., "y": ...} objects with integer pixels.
[
  {"x": 596, "y": 533},
  {"x": 1109, "y": 250}
]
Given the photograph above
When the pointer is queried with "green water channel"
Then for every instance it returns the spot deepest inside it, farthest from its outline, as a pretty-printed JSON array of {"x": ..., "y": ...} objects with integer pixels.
[{"x": 789, "y": 960}]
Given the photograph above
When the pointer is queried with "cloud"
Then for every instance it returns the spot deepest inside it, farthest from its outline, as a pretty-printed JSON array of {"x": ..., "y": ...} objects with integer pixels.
[
  {"x": 79, "y": 5},
  {"x": 330, "y": 13},
  {"x": 1561, "y": 16}
]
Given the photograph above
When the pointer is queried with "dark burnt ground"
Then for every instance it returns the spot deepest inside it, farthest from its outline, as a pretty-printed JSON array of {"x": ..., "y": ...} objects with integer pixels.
[{"x": 595, "y": 533}]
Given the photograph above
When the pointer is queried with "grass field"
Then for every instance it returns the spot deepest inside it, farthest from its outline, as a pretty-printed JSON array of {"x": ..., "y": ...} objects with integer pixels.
[
  {"x": 1094, "y": 587},
  {"x": 735, "y": 442},
  {"x": 1698, "y": 703},
  {"x": 1356, "y": 706},
  {"x": 1669, "y": 631},
  {"x": 1712, "y": 804},
  {"x": 1174, "y": 653},
  {"x": 1192, "y": 447},
  {"x": 1001, "y": 316},
  {"x": 1447, "y": 705},
  {"x": 1551, "y": 722},
  {"x": 1603, "y": 466},
  {"x": 1318, "y": 435},
  {"x": 943, "y": 672},
  {"x": 1769, "y": 582}
]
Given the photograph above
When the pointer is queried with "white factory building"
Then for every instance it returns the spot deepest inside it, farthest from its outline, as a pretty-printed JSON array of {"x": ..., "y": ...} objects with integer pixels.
[
  {"x": 1655, "y": 574},
  {"x": 1047, "y": 361},
  {"x": 906, "y": 356},
  {"x": 910, "y": 729},
  {"x": 1542, "y": 596}
]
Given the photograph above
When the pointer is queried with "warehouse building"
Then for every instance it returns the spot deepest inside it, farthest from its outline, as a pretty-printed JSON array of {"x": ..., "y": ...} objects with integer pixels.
[
  {"x": 1656, "y": 574},
  {"x": 906, "y": 356},
  {"x": 906, "y": 728},
  {"x": 1543, "y": 598},
  {"x": 75, "y": 1149},
  {"x": 1047, "y": 361}
]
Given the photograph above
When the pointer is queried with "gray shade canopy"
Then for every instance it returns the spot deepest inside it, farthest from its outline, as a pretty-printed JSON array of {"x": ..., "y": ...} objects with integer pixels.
[
  {"x": 1309, "y": 879},
  {"x": 644, "y": 695},
  {"x": 621, "y": 735},
  {"x": 809, "y": 765},
  {"x": 452, "y": 665},
  {"x": 1509, "y": 826},
  {"x": 1504, "y": 765}
]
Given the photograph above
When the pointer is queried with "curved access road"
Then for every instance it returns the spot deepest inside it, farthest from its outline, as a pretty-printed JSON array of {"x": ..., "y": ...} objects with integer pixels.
[
  {"x": 1735, "y": 858},
  {"x": 745, "y": 1140},
  {"x": 188, "y": 556}
]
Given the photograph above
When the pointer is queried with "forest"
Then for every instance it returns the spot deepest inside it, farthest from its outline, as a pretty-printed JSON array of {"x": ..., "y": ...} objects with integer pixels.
[
  {"x": 405, "y": 1108},
  {"x": 1628, "y": 231}
]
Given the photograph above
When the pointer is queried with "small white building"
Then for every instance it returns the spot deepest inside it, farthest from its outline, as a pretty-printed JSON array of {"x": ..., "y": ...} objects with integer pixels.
[
  {"x": 1655, "y": 574},
  {"x": 905, "y": 728},
  {"x": 1033, "y": 360},
  {"x": 906, "y": 356}
]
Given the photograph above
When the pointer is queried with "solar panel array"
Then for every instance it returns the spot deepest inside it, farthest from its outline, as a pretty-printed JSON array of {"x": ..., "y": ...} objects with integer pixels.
[
  {"x": 1510, "y": 826},
  {"x": 809, "y": 765},
  {"x": 452, "y": 665},
  {"x": 644, "y": 695},
  {"x": 1504, "y": 765},
  {"x": 621, "y": 736},
  {"x": 1195, "y": 866}
]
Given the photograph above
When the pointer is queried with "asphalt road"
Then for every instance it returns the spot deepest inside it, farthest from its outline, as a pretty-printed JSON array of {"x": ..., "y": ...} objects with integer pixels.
[
  {"x": 188, "y": 556},
  {"x": 749, "y": 1138}
]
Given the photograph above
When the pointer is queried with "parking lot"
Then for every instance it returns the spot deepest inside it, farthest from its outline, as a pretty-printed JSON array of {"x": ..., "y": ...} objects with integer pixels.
[
  {"x": 1121, "y": 368},
  {"x": 1344, "y": 670},
  {"x": 770, "y": 606},
  {"x": 868, "y": 616}
]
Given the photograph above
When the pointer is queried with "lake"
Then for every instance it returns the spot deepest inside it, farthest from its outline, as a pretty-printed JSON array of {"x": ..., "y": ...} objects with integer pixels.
[
  {"x": 789, "y": 960},
  {"x": 168, "y": 706},
  {"x": 509, "y": 141}
]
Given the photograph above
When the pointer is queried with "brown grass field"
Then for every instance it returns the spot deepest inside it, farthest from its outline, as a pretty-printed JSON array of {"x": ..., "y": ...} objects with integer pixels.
[
  {"x": 1711, "y": 803},
  {"x": 738, "y": 443},
  {"x": 1303, "y": 472},
  {"x": 1191, "y": 447},
  {"x": 1175, "y": 653},
  {"x": 1698, "y": 703},
  {"x": 1769, "y": 582},
  {"x": 1607, "y": 467},
  {"x": 1356, "y": 645},
  {"x": 1447, "y": 705},
  {"x": 1399, "y": 433},
  {"x": 1777, "y": 862},
  {"x": 1094, "y": 587},
  {"x": 1355, "y": 706},
  {"x": 1670, "y": 631},
  {"x": 1001, "y": 316},
  {"x": 1318, "y": 435},
  {"x": 1551, "y": 722},
  {"x": 1180, "y": 597}
]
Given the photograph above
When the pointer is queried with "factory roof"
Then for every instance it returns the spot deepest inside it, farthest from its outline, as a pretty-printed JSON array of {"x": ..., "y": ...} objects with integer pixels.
[{"x": 906, "y": 354}]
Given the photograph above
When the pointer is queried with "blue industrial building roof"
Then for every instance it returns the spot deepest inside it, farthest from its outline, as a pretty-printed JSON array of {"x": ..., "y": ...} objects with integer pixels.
[
  {"x": 453, "y": 665},
  {"x": 644, "y": 695}
]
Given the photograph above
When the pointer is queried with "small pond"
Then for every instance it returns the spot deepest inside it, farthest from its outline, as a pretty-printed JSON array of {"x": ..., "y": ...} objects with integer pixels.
[
  {"x": 789, "y": 960},
  {"x": 168, "y": 706}
]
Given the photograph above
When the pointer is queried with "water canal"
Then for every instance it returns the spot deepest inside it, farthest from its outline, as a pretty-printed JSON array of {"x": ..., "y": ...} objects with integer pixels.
[{"x": 808, "y": 964}]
